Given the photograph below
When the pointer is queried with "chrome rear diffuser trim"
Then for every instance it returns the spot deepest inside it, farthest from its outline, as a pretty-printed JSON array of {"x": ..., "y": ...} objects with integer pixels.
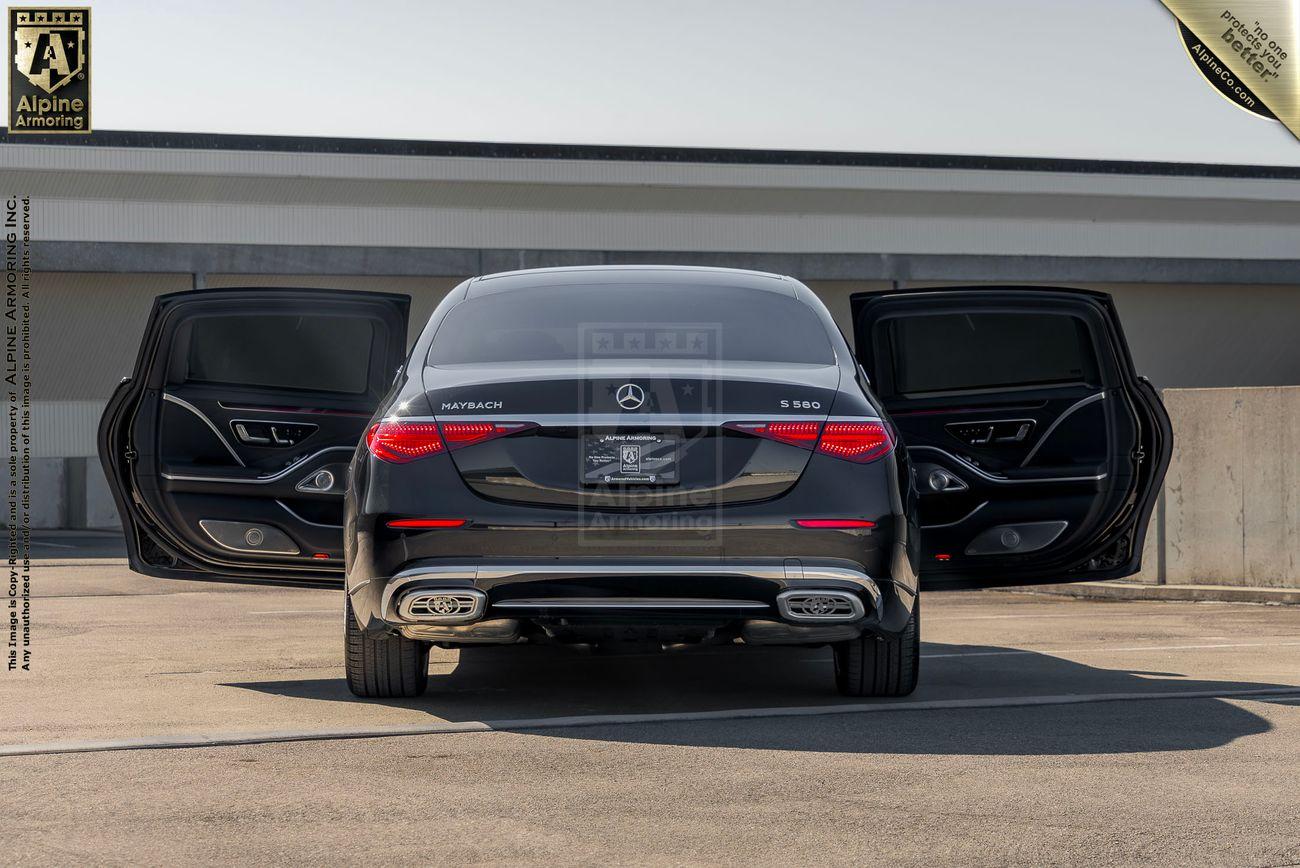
[{"x": 800, "y": 579}]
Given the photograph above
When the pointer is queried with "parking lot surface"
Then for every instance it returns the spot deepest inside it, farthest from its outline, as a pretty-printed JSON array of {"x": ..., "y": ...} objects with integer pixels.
[{"x": 175, "y": 722}]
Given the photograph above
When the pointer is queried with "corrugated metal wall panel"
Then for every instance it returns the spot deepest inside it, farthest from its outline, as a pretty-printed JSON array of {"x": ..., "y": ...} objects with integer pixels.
[
  {"x": 1081, "y": 235},
  {"x": 65, "y": 429}
]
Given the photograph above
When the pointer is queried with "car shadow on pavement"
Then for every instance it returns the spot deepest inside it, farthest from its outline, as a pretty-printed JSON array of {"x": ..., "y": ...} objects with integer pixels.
[{"x": 508, "y": 686}]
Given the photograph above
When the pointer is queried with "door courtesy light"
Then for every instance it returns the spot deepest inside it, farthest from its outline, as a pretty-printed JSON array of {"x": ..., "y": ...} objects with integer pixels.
[
  {"x": 400, "y": 442},
  {"x": 461, "y": 434},
  {"x": 835, "y": 523},
  {"x": 409, "y": 523},
  {"x": 859, "y": 442},
  {"x": 803, "y": 434}
]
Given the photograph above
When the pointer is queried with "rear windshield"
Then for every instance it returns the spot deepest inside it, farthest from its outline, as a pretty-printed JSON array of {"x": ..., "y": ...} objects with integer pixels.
[{"x": 641, "y": 321}]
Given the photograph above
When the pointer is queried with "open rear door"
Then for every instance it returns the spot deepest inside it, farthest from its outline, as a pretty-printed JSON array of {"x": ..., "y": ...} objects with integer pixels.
[
  {"x": 1037, "y": 450},
  {"x": 228, "y": 448}
]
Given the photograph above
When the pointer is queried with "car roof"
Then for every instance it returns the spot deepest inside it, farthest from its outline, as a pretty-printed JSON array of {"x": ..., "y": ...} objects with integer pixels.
[{"x": 693, "y": 275}]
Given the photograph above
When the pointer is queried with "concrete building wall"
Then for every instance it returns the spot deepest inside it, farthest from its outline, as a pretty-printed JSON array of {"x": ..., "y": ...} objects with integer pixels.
[
  {"x": 1181, "y": 335},
  {"x": 804, "y": 204},
  {"x": 1211, "y": 335}
]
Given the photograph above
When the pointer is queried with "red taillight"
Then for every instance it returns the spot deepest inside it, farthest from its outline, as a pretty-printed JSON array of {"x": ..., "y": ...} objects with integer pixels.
[
  {"x": 409, "y": 523},
  {"x": 833, "y": 523},
  {"x": 856, "y": 441},
  {"x": 853, "y": 441},
  {"x": 400, "y": 442},
  {"x": 461, "y": 434},
  {"x": 802, "y": 434}
]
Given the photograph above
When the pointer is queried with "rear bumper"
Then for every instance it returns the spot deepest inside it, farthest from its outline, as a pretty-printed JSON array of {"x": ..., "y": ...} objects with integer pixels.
[{"x": 760, "y": 600}]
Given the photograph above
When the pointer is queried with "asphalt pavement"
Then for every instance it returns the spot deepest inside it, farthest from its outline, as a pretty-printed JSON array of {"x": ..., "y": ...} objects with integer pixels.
[{"x": 181, "y": 722}]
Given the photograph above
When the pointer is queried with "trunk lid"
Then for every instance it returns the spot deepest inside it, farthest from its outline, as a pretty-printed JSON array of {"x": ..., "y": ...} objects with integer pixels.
[{"x": 610, "y": 436}]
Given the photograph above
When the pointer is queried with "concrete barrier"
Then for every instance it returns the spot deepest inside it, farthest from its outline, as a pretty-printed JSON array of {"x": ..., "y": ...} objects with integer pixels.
[{"x": 1231, "y": 511}]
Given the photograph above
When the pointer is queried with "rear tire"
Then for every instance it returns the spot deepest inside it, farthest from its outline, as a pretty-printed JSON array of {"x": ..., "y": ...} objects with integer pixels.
[
  {"x": 875, "y": 666},
  {"x": 382, "y": 667}
]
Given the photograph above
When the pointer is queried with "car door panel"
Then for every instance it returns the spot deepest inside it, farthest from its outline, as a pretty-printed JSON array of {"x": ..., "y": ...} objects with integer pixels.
[
  {"x": 1035, "y": 448},
  {"x": 194, "y": 455}
]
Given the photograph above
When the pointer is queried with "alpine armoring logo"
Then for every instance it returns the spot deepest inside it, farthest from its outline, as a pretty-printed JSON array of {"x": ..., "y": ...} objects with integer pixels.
[{"x": 49, "y": 79}]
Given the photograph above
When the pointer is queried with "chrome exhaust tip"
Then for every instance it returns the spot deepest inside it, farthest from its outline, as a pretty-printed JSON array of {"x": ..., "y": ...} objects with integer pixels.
[
  {"x": 442, "y": 605},
  {"x": 818, "y": 606}
]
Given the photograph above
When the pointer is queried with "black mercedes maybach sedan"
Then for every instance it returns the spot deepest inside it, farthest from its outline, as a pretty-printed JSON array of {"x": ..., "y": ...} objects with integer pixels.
[{"x": 623, "y": 456}]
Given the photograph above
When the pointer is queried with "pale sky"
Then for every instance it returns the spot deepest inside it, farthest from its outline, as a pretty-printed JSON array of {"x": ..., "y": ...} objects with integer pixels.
[{"x": 1062, "y": 78}]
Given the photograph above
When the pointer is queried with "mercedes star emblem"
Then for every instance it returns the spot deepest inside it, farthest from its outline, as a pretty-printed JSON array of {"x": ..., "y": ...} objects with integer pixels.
[{"x": 630, "y": 396}]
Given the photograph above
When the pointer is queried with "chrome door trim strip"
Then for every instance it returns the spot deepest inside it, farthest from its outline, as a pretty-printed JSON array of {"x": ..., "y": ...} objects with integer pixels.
[
  {"x": 260, "y": 480},
  {"x": 578, "y": 420},
  {"x": 1002, "y": 480},
  {"x": 1078, "y": 405},
  {"x": 958, "y": 521},
  {"x": 206, "y": 421}
]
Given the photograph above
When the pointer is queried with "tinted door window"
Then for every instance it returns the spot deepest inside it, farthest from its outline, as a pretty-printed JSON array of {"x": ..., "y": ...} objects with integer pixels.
[
  {"x": 307, "y": 353},
  {"x": 953, "y": 352}
]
